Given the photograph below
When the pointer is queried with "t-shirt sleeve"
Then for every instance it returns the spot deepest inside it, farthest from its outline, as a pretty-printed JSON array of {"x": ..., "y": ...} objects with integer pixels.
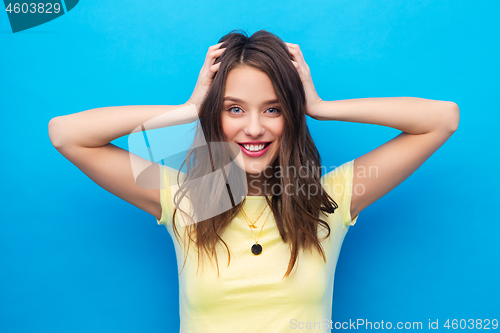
[
  {"x": 167, "y": 203},
  {"x": 338, "y": 183}
]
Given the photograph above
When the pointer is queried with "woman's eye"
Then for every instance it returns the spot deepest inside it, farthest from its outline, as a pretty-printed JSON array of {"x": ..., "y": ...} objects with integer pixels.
[
  {"x": 274, "y": 111},
  {"x": 235, "y": 110}
]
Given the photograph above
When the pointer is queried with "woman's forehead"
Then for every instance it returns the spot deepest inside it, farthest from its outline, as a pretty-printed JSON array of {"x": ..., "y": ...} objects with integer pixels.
[{"x": 247, "y": 84}]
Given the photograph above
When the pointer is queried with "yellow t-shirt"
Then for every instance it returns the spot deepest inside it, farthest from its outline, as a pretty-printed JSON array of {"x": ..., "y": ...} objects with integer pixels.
[{"x": 250, "y": 294}]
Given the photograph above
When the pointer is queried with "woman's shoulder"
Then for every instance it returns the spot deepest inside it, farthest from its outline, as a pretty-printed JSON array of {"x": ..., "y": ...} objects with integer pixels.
[
  {"x": 338, "y": 183},
  {"x": 170, "y": 180}
]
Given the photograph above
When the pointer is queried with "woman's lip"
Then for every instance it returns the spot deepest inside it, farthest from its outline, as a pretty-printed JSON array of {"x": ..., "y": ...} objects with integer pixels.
[
  {"x": 253, "y": 142},
  {"x": 255, "y": 153}
]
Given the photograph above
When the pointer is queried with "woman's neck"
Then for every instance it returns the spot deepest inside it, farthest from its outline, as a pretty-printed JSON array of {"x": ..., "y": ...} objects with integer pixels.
[{"x": 258, "y": 185}]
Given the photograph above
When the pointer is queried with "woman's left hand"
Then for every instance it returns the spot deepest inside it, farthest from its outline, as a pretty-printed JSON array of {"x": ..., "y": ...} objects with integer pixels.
[{"x": 312, "y": 98}]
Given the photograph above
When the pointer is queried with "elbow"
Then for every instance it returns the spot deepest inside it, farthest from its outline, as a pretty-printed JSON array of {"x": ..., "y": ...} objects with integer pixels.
[
  {"x": 453, "y": 117},
  {"x": 55, "y": 134}
]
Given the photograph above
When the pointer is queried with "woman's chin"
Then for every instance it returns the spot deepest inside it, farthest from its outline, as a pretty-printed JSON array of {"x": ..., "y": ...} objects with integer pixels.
[
  {"x": 254, "y": 172},
  {"x": 253, "y": 166},
  {"x": 256, "y": 168}
]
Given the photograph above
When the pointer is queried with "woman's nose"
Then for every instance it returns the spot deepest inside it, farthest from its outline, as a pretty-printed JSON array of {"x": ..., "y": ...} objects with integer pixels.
[{"x": 254, "y": 126}]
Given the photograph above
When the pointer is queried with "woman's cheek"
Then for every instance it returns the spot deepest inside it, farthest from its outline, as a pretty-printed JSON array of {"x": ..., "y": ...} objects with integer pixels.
[{"x": 226, "y": 128}]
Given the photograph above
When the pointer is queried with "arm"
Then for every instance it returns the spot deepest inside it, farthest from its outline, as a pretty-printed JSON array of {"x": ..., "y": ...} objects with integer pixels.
[
  {"x": 84, "y": 139},
  {"x": 411, "y": 115},
  {"x": 425, "y": 125},
  {"x": 98, "y": 127}
]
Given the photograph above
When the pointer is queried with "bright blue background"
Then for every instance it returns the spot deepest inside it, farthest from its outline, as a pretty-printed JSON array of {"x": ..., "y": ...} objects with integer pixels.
[{"x": 74, "y": 258}]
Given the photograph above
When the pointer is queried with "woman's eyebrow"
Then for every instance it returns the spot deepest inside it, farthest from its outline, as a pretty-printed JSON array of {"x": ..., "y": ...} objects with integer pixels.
[{"x": 234, "y": 99}]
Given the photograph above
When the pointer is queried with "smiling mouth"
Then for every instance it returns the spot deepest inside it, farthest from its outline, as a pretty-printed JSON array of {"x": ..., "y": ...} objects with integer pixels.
[{"x": 255, "y": 147}]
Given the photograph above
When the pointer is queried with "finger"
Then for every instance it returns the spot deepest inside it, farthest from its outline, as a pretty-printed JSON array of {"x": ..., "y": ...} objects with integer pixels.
[
  {"x": 299, "y": 50},
  {"x": 290, "y": 49},
  {"x": 296, "y": 64},
  {"x": 297, "y": 56},
  {"x": 215, "y": 47},
  {"x": 212, "y": 55},
  {"x": 212, "y": 70},
  {"x": 294, "y": 54},
  {"x": 209, "y": 77},
  {"x": 214, "y": 67},
  {"x": 295, "y": 49},
  {"x": 216, "y": 55},
  {"x": 217, "y": 52}
]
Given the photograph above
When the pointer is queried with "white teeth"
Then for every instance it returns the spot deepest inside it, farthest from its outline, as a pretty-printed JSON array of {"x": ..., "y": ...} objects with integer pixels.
[{"x": 254, "y": 147}]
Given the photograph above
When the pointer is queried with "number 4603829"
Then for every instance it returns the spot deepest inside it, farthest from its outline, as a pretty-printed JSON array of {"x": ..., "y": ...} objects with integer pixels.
[{"x": 41, "y": 8}]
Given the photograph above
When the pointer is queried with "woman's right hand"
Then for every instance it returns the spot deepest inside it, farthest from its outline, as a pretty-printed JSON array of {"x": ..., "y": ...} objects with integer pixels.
[{"x": 206, "y": 76}]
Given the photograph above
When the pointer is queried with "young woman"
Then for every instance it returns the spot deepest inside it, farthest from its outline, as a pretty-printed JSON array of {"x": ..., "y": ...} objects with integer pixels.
[{"x": 253, "y": 198}]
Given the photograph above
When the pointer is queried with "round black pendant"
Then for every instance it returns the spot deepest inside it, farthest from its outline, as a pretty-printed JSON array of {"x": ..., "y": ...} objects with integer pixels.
[{"x": 256, "y": 249}]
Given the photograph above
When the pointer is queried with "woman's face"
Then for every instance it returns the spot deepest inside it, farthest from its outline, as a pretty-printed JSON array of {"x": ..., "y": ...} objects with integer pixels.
[{"x": 251, "y": 117}]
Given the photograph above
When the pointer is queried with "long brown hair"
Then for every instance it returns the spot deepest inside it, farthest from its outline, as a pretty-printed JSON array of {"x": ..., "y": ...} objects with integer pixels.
[{"x": 297, "y": 216}]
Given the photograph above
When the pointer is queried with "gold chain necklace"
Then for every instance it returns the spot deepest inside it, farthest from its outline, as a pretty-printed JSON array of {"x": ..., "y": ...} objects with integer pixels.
[
  {"x": 256, "y": 248},
  {"x": 253, "y": 224}
]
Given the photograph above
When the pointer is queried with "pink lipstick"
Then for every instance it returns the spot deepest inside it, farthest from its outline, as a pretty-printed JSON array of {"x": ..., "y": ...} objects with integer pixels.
[{"x": 254, "y": 148}]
